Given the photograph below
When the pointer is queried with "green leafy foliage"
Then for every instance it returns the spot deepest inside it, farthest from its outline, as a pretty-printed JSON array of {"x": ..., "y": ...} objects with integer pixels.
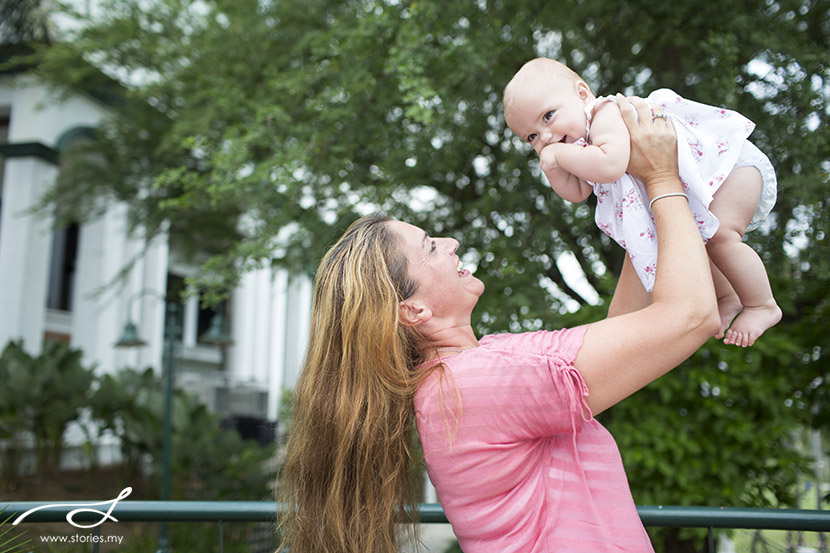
[
  {"x": 207, "y": 461},
  {"x": 39, "y": 397},
  {"x": 11, "y": 543}
]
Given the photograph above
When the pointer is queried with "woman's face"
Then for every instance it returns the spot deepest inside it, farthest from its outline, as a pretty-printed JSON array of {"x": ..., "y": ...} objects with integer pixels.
[{"x": 444, "y": 286}]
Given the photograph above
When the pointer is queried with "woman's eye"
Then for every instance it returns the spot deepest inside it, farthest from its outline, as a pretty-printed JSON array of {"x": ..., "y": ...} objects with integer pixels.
[
  {"x": 531, "y": 137},
  {"x": 547, "y": 116}
]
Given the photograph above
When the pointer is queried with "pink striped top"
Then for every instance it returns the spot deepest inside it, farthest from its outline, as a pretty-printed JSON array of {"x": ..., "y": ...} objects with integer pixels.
[{"x": 522, "y": 466}]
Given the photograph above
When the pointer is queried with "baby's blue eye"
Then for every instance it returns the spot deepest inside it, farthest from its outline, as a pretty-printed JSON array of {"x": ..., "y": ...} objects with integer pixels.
[
  {"x": 547, "y": 116},
  {"x": 531, "y": 137}
]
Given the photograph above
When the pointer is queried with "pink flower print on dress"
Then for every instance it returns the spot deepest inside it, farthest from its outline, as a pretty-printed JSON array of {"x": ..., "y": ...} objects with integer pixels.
[
  {"x": 650, "y": 270},
  {"x": 697, "y": 152},
  {"x": 631, "y": 200},
  {"x": 692, "y": 120},
  {"x": 722, "y": 146},
  {"x": 618, "y": 212},
  {"x": 600, "y": 190},
  {"x": 648, "y": 233},
  {"x": 699, "y": 220},
  {"x": 606, "y": 228},
  {"x": 723, "y": 113}
]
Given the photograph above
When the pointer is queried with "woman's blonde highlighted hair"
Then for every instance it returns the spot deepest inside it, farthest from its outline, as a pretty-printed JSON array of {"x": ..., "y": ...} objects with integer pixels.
[{"x": 348, "y": 480}]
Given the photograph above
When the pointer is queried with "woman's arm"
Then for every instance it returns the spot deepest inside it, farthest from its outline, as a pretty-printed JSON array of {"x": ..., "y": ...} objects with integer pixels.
[
  {"x": 622, "y": 354},
  {"x": 630, "y": 294}
]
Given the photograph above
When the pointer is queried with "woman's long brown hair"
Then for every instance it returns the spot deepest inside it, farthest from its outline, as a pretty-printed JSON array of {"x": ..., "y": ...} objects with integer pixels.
[{"x": 347, "y": 482}]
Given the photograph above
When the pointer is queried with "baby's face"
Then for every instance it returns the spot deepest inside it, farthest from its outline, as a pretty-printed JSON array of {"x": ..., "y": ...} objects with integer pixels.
[{"x": 546, "y": 110}]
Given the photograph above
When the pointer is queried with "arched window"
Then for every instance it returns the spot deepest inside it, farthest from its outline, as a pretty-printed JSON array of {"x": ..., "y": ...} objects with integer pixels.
[{"x": 65, "y": 237}]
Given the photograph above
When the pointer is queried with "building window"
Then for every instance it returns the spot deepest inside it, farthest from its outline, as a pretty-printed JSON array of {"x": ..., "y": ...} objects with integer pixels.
[
  {"x": 62, "y": 268},
  {"x": 195, "y": 317},
  {"x": 206, "y": 316}
]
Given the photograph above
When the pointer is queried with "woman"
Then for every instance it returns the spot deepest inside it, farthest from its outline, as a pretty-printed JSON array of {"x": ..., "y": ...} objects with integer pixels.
[{"x": 506, "y": 423}]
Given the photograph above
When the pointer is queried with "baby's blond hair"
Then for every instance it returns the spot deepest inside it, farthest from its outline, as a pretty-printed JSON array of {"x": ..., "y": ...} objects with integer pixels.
[{"x": 535, "y": 68}]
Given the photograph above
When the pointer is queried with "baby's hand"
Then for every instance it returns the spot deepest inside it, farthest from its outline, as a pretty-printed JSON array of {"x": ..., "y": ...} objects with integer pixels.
[{"x": 547, "y": 158}]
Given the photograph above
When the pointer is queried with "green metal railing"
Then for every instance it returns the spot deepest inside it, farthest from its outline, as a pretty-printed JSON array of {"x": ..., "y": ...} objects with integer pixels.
[{"x": 430, "y": 513}]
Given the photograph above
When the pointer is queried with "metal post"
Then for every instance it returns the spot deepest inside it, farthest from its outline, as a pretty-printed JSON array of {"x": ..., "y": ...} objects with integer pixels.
[{"x": 170, "y": 336}]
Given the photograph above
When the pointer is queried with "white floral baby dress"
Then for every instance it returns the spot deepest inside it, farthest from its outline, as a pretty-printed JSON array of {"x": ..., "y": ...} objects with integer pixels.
[{"x": 711, "y": 141}]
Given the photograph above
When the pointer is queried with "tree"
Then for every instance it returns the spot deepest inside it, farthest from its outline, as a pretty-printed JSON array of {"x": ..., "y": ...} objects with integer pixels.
[
  {"x": 279, "y": 122},
  {"x": 22, "y": 21}
]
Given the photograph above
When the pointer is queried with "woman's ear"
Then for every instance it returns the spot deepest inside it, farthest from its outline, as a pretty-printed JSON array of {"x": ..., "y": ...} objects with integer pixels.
[{"x": 413, "y": 313}]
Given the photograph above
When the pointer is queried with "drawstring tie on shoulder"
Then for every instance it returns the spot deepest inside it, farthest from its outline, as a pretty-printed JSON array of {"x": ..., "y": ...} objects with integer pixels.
[{"x": 569, "y": 379}]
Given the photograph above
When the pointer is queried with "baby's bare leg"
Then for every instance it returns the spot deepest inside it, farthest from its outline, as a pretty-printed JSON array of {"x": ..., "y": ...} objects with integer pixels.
[
  {"x": 734, "y": 205},
  {"x": 729, "y": 305}
]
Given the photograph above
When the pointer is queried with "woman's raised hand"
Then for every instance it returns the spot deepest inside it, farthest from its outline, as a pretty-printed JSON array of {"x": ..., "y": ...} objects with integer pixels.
[{"x": 653, "y": 157}]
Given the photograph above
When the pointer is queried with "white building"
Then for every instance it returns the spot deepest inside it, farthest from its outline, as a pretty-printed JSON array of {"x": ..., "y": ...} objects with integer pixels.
[{"x": 57, "y": 284}]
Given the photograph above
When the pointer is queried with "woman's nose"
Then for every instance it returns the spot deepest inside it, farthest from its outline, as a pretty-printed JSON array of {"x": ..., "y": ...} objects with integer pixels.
[{"x": 451, "y": 244}]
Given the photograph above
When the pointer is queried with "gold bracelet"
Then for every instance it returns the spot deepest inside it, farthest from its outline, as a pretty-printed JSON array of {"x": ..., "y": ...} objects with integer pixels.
[{"x": 669, "y": 195}]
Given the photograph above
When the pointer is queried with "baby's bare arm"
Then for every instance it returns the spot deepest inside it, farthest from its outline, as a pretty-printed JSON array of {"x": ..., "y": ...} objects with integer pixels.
[
  {"x": 565, "y": 184},
  {"x": 606, "y": 158}
]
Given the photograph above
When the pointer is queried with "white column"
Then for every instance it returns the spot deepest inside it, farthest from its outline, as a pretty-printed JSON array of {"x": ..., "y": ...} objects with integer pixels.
[
  {"x": 89, "y": 301},
  {"x": 241, "y": 356},
  {"x": 155, "y": 256},
  {"x": 298, "y": 316},
  {"x": 98, "y": 314},
  {"x": 25, "y": 247},
  {"x": 262, "y": 322},
  {"x": 104, "y": 251},
  {"x": 191, "y": 321},
  {"x": 251, "y": 323},
  {"x": 276, "y": 362}
]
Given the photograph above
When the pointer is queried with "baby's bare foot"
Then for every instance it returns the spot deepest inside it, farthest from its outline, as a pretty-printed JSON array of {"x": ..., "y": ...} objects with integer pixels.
[
  {"x": 728, "y": 308},
  {"x": 751, "y": 323}
]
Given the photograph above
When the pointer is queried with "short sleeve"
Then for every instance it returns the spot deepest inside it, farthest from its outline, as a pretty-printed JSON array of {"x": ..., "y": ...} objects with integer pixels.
[{"x": 512, "y": 388}]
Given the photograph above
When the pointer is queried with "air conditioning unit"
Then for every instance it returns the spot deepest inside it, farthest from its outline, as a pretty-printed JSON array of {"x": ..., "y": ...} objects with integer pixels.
[
  {"x": 200, "y": 386},
  {"x": 241, "y": 401}
]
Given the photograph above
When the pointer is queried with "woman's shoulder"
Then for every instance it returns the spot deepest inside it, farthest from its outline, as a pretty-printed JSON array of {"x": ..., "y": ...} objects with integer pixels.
[{"x": 564, "y": 343}]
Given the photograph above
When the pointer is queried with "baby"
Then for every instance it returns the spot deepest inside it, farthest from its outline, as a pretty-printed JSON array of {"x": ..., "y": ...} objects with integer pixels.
[{"x": 583, "y": 146}]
